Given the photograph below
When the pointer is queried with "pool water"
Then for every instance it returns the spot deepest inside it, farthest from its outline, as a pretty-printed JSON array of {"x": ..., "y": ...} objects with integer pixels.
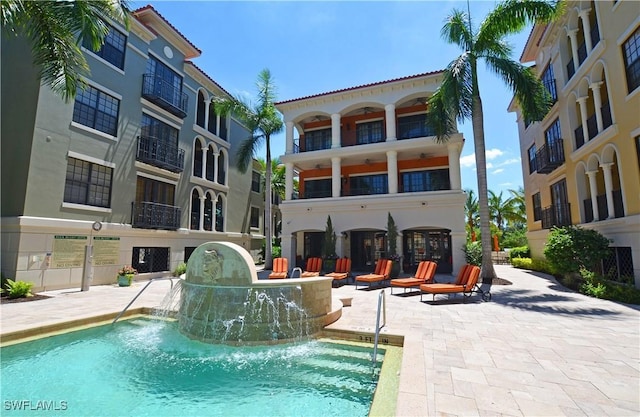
[{"x": 147, "y": 368}]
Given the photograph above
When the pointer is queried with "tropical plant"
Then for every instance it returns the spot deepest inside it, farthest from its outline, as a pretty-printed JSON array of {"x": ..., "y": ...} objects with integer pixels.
[
  {"x": 572, "y": 248},
  {"x": 262, "y": 120},
  {"x": 56, "y": 30},
  {"x": 471, "y": 214},
  {"x": 127, "y": 270},
  {"x": 278, "y": 172},
  {"x": 458, "y": 97},
  {"x": 180, "y": 269},
  {"x": 500, "y": 209},
  {"x": 392, "y": 238},
  {"x": 473, "y": 253},
  {"x": 19, "y": 289},
  {"x": 329, "y": 246},
  {"x": 518, "y": 216}
]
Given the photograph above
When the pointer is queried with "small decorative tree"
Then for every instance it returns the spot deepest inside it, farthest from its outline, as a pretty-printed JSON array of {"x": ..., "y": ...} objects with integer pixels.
[
  {"x": 392, "y": 243},
  {"x": 329, "y": 247}
]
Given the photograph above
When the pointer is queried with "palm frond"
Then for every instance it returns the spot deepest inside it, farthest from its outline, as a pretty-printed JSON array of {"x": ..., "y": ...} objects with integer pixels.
[
  {"x": 456, "y": 30},
  {"x": 511, "y": 16},
  {"x": 531, "y": 95},
  {"x": 246, "y": 152}
]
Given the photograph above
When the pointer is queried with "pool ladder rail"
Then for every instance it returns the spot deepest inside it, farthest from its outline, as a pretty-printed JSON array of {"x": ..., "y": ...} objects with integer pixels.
[
  {"x": 141, "y": 291},
  {"x": 382, "y": 307}
]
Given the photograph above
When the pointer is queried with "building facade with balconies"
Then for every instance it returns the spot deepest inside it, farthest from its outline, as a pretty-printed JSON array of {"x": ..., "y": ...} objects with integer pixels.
[
  {"x": 581, "y": 163},
  {"x": 362, "y": 153},
  {"x": 139, "y": 153}
]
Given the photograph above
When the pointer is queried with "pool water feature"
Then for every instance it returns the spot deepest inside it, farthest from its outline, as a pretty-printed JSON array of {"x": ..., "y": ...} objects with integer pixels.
[
  {"x": 148, "y": 368},
  {"x": 221, "y": 300}
]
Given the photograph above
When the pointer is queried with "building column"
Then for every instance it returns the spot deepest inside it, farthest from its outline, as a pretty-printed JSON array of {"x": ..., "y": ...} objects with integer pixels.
[
  {"x": 586, "y": 27},
  {"x": 593, "y": 188},
  {"x": 207, "y": 106},
  {"x": 201, "y": 221},
  {"x": 288, "y": 181},
  {"x": 608, "y": 187},
  {"x": 335, "y": 177},
  {"x": 289, "y": 138},
  {"x": 341, "y": 244},
  {"x": 335, "y": 130},
  {"x": 203, "y": 173},
  {"x": 454, "y": 166},
  {"x": 582, "y": 101},
  {"x": 390, "y": 121},
  {"x": 215, "y": 166},
  {"x": 288, "y": 245},
  {"x": 392, "y": 171},
  {"x": 597, "y": 101},
  {"x": 573, "y": 38}
]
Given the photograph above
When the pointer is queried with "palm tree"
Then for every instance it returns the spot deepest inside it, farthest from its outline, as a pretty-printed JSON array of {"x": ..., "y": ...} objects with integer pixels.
[
  {"x": 277, "y": 176},
  {"x": 500, "y": 209},
  {"x": 458, "y": 97},
  {"x": 471, "y": 213},
  {"x": 519, "y": 215},
  {"x": 262, "y": 119},
  {"x": 56, "y": 29}
]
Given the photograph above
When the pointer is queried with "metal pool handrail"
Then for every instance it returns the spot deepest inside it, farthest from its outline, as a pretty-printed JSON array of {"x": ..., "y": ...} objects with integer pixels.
[
  {"x": 293, "y": 271},
  {"x": 140, "y": 292},
  {"x": 382, "y": 306}
]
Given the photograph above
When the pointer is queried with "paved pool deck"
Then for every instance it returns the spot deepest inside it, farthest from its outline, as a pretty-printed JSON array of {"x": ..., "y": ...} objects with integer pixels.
[{"x": 536, "y": 349}]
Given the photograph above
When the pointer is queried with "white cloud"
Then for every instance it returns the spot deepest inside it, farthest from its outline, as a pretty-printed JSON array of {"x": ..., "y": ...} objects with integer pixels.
[
  {"x": 506, "y": 184},
  {"x": 509, "y": 162},
  {"x": 489, "y": 165},
  {"x": 492, "y": 153},
  {"x": 499, "y": 170},
  {"x": 469, "y": 161}
]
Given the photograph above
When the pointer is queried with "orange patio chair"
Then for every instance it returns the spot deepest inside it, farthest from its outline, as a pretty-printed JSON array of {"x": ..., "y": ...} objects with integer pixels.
[
  {"x": 280, "y": 268},
  {"x": 314, "y": 265},
  {"x": 424, "y": 275},
  {"x": 343, "y": 270},
  {"x": 465, "y": 286},
  {"x": 381, "y": 273}
]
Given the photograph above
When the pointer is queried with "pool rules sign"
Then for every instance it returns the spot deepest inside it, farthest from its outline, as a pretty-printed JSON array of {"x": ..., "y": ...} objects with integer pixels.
[{"x": 68, "y": 251}]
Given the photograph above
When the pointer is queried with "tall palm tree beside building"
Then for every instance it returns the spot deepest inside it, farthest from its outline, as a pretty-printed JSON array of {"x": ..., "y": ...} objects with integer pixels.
[
  {"x": 263, "y": 120},
  {"x": 500, "y": 209},
  {"x": 471, "y": 213},
  {"x": 56, "y": 30},
  {"x": 519, "y": 213},
  {"x": 458, "y": 97}
]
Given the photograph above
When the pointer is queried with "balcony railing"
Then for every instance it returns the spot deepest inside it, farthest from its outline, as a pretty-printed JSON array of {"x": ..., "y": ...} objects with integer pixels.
[
  {"x": 164, "y": 94},
  {"x": 148, "y": 215},
  {"x": 414, "y": 129},
  {"x": 550, "y": 156},
  {"x": 556, "y": 215},
  {"x": 603, "y": 209},
  {"x": 160, "y": 153},
  {"x": 550, "y": 85},
  {"x": 316, "y": 194}
]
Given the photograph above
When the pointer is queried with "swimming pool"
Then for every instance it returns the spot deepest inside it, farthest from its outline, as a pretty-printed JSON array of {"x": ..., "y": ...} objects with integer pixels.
[{"x": 147, "y": 368}]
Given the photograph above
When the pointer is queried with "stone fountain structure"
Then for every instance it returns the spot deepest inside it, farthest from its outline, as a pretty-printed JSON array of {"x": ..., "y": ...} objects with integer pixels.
[{"x": 222, "y": 300}]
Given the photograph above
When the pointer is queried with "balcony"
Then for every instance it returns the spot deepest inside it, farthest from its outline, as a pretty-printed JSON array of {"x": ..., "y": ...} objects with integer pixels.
[
  {"x": 556, "y": 215},
  {"x": 148, "y": 215},
  {"x": 164, "y": 94},
  {"x": 603, "y": 209},
  {"x": 550, "y": 156},
  {"x": 160, "y": 153},
  {"x": 550, "y": 85}
]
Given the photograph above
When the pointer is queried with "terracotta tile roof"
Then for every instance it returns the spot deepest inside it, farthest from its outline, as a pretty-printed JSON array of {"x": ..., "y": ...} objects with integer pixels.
[
  {"x": 207, "y": 75},
  {"x": 362, "y": 86},
  {"x": 150, "y": 7}
]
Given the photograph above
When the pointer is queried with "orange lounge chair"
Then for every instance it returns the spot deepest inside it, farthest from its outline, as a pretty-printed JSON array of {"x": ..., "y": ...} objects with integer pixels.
[
  {"x": 343, "y": 270},
  {"x": 381, "y": 273},
  {"x": 280, "y": 268},
  {"x": 424, "y": 275},
  {"x": 314, "y": 265},
  {"x": 468, "y": 279}
]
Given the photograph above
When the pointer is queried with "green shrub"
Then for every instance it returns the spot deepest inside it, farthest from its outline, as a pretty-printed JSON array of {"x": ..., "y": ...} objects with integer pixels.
[
  {"x": 473, "y": 253},
  {"x": 522, "y": 263},
  {"x": 276, "y": 251},
  {"x": 539, "y": 265},
  {"x": 180, "y": 269},
  {"x": 599, "y": 287},
  {"x": 571, "y": 248},
  {"x": 519, "y": 252},
  {"x": 19, "y": 289},
  {"x": 513, "y": 238}
]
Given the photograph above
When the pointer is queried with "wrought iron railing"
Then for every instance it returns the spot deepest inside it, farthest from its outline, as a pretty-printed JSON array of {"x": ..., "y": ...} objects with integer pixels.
[
  {"x": 550, "y": 156},
  {"x": 556, "y": 215},
  {"x": 164, "y": 94},
  {"x": 161, "y": 153},
  {"x": 149, "y": 215}
]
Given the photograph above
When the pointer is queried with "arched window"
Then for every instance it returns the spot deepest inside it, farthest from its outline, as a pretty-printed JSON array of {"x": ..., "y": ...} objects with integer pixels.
[
  {"x": 208, "y": 213},
  {"x": 211, "y": 163},
  {"x": 213, "y": 120},
  {"x": 197, "y": 159},
  {"x": 220, "y": 215},
  {"x": 195, "y": 210},
  {"x": 222, "y": 171},
  {"x": 200, "y": 115}
]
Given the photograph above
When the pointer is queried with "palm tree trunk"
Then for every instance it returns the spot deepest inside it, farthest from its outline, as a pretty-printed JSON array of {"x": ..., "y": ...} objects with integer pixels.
[
  {"x": 487, "y": 272},
  {"x": 268, "y": 246}
]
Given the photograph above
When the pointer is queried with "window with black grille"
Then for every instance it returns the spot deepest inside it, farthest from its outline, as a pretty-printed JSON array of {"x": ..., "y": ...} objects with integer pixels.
[
  {"x": 88, "y": 183},
  {"x": 618, "y": 266},
  {"x": 533, "y": 167},
  {"x": 255, "y": 217},
  {"x": 150, "y": 259},
  {"x": 255, "y": 181},
  {"x": 631, "y": 52},
  {"x": 317, "y": 140},
  {"x": 537, "y": 207},
  {"x": 369, "y": 132},
  {"x": 429, "y": 180},
  {"x": 97, "y": 110},
  {"x": 113, "y": 49}
]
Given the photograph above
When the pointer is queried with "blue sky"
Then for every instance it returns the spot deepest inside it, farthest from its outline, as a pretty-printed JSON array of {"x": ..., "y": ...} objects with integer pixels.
[{"x": 315, "y": 47}]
